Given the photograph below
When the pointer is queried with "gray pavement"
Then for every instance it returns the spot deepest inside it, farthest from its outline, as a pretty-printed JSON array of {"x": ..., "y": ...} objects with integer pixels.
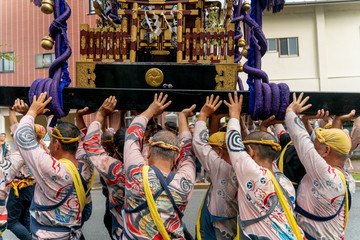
[{"x": 94, "y": 229}]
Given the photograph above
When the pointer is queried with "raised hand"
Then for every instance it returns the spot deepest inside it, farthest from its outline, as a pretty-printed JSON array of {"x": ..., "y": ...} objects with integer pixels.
[
  {"x": 183, "y": 118},
  {"x": 106, "y": 108},
  {"x": 297, "y": 105},
  {"x": 83, "y": 112},
  {"x": 38, "y": 105},
  {"x": 234, "y": 105},
  {"x": 338, "y": 120},
  {"x": 20, "y": 106},
  {"x": 157, "y": 106},
  {"x": 321, "y": 114},
  {"x": 210, "y": 106},
  {"x": 188, "y": 112},
  {"x": 268, "y": 122}
]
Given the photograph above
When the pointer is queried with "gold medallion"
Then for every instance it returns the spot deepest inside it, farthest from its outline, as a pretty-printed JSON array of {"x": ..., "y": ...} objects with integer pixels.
[{"x": 154, "y": 77}]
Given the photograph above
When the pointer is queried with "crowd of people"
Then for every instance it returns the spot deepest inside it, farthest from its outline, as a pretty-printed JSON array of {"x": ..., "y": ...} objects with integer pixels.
[{"x": 280, "y": 180}]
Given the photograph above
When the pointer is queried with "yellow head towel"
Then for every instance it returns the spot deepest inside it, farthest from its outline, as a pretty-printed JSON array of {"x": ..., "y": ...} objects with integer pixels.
[
  {"x": 335, "y": 138},
  {"x": 218, "y": 139},
  {"x": 40, "y": 131}
]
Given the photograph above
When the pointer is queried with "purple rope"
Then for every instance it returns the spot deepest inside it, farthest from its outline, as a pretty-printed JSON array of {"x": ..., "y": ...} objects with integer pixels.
[
  {"x": 265, "y": 98},
  {"x": 237, "y": 18},
  {"x": 57, "y": 69}
]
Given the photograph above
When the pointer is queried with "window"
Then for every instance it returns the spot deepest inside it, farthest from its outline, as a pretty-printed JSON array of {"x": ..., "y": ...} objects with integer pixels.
[
  {"x": 91, "y": 7},
  {"x": 44, "y": 60},
  {"x": 272, "y": 45},
  {"x": 7, "y": 65},
  {"x": 288, "y": 46}
]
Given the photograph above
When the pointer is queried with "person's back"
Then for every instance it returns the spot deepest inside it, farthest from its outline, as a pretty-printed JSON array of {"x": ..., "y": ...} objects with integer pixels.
[
  {"x": 163, "y": 157},
  {"x": 260, "y": 214},
  {"x": 321, "y": 192},
  {"x": 217, "y": 218},
  {"x": 56, "y": 210}
]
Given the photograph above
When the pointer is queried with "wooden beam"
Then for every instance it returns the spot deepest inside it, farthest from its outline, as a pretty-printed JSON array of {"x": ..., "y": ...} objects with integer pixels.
[{"x": 139, "y": 99}]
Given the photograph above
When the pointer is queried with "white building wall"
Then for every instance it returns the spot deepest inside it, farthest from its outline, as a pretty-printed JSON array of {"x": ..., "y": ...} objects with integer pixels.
[{"x": 328, "y": 42}]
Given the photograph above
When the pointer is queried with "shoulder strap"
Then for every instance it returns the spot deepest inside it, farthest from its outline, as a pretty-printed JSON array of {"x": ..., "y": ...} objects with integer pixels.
[
  {"x": 77, "y": 181},
  {"x": 156, "y": 195},
  {"x": 164, "y": 185},
  {"x": 38, "y": 207},
  {"x": 281, "y": 160},
  {"x": 285, "y": 206},
  {"x": 346, "y": 201},
  {"x": 346, "y": 197},
  {"x": 152, "y": 207}
]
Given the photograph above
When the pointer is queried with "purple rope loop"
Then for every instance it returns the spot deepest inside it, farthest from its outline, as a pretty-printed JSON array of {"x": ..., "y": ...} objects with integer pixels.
[
  {"x": 265, "y": 98},
  {"x": 58, "y": 74}
]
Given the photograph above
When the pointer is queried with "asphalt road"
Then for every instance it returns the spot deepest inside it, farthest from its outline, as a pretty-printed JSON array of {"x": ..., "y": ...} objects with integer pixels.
[{"x": 94, "y": 229}]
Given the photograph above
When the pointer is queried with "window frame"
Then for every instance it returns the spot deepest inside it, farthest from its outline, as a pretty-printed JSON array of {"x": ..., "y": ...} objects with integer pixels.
[
  {"x": 2, "y": 62},
  {"x": 276, "y": 44},
  {"x": 288, "y": 47},
  {"x": 42, "y": 55},
  {"x": 91, "y": 8}
]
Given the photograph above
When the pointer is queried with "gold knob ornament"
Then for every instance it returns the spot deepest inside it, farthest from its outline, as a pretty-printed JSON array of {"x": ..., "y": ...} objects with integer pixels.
[
  {"x": 241, "y": 42},
  {"x": 244, "y": 53},
  {"x": 47, "y": 6},
  {"x": 240, "y": 67},
  {"x": 47, "y": 42},
  {"x": 247, "y": 7},
  {"x": 154, "y": 77}
]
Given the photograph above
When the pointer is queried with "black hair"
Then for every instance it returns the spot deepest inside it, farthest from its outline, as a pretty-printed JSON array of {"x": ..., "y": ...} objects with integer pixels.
[
  {"x": 68, "y": 130},
  {"x": 119, "y": 139},
  {"x": 263, "y": 151}
]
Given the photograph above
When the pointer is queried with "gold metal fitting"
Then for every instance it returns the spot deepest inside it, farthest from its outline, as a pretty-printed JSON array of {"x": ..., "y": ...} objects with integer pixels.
[
  {"x": 241, "y": 42},
  {"x": 240, "y": 67},
  {"x": 47, "y": 6},
  {"x": 247, "y": 7},
  {"x": 47, "y": 42},
  {"x": 154, "y": 77},
  {"x": 244, "y": 53}
]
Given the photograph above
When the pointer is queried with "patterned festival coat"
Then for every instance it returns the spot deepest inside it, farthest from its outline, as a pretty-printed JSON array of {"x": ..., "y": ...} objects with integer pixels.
[
  {"x": 111, "y": 169},
  {"x": 139, "y": 225},
  {"x": 321, "y": 190},
  {"x": 224, "y": 184},
  {"x": 53, "y": 181},
  {"x": 256, "y": 190}
]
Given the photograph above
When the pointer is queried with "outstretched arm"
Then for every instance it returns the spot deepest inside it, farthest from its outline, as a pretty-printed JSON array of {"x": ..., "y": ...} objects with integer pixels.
[{"x": 135, "y": 132}]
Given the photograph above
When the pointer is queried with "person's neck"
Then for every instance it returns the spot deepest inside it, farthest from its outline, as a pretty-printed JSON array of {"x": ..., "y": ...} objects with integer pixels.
[
  {"x": 337, "y": 163},
  {"x": 70, "y": 157},
  {"x": 265, "y": 163},
  {"x": 162, "y": 165}
]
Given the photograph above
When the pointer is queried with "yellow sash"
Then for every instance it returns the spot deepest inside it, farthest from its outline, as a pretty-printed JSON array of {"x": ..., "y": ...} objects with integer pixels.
[
  {"x": 346, "y": 197},
  {"x": 24, "y": 183},
  {"x": 286, "y": 207},
  {"x": 152, "y": 207},
  {"x": 80, "y": 192},
  {"x": 281, "y": 160},
  {"x": 198, "y": 234}
]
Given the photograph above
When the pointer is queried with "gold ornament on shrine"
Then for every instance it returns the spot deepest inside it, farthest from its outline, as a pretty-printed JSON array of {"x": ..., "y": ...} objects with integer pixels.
[
  {"x": 247, "y": 7},
  {"x": 47, "y": 42},
  {"x": 240, "y": 67},
  {"x": 47, "y": 6},
  {"x": 154, "y": 77},
  {"x": 241, "y": 42}
]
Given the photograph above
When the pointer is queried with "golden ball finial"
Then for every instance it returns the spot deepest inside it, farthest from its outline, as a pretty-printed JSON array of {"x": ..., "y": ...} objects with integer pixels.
[
  {"x": 47, "y": 6},
  {"x": 241, "y": 42},
  {"x": 240, "y": 67},
  {"x": 244, "y": 53},
  {"x": 247, "y": 7},
  {"x": 47, "y": 42}
]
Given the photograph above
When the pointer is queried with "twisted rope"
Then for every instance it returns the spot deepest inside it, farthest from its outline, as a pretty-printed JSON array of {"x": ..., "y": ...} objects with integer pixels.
[
  {"x": 58, "y": 74},
  {"x": 265, "y": 99}
]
